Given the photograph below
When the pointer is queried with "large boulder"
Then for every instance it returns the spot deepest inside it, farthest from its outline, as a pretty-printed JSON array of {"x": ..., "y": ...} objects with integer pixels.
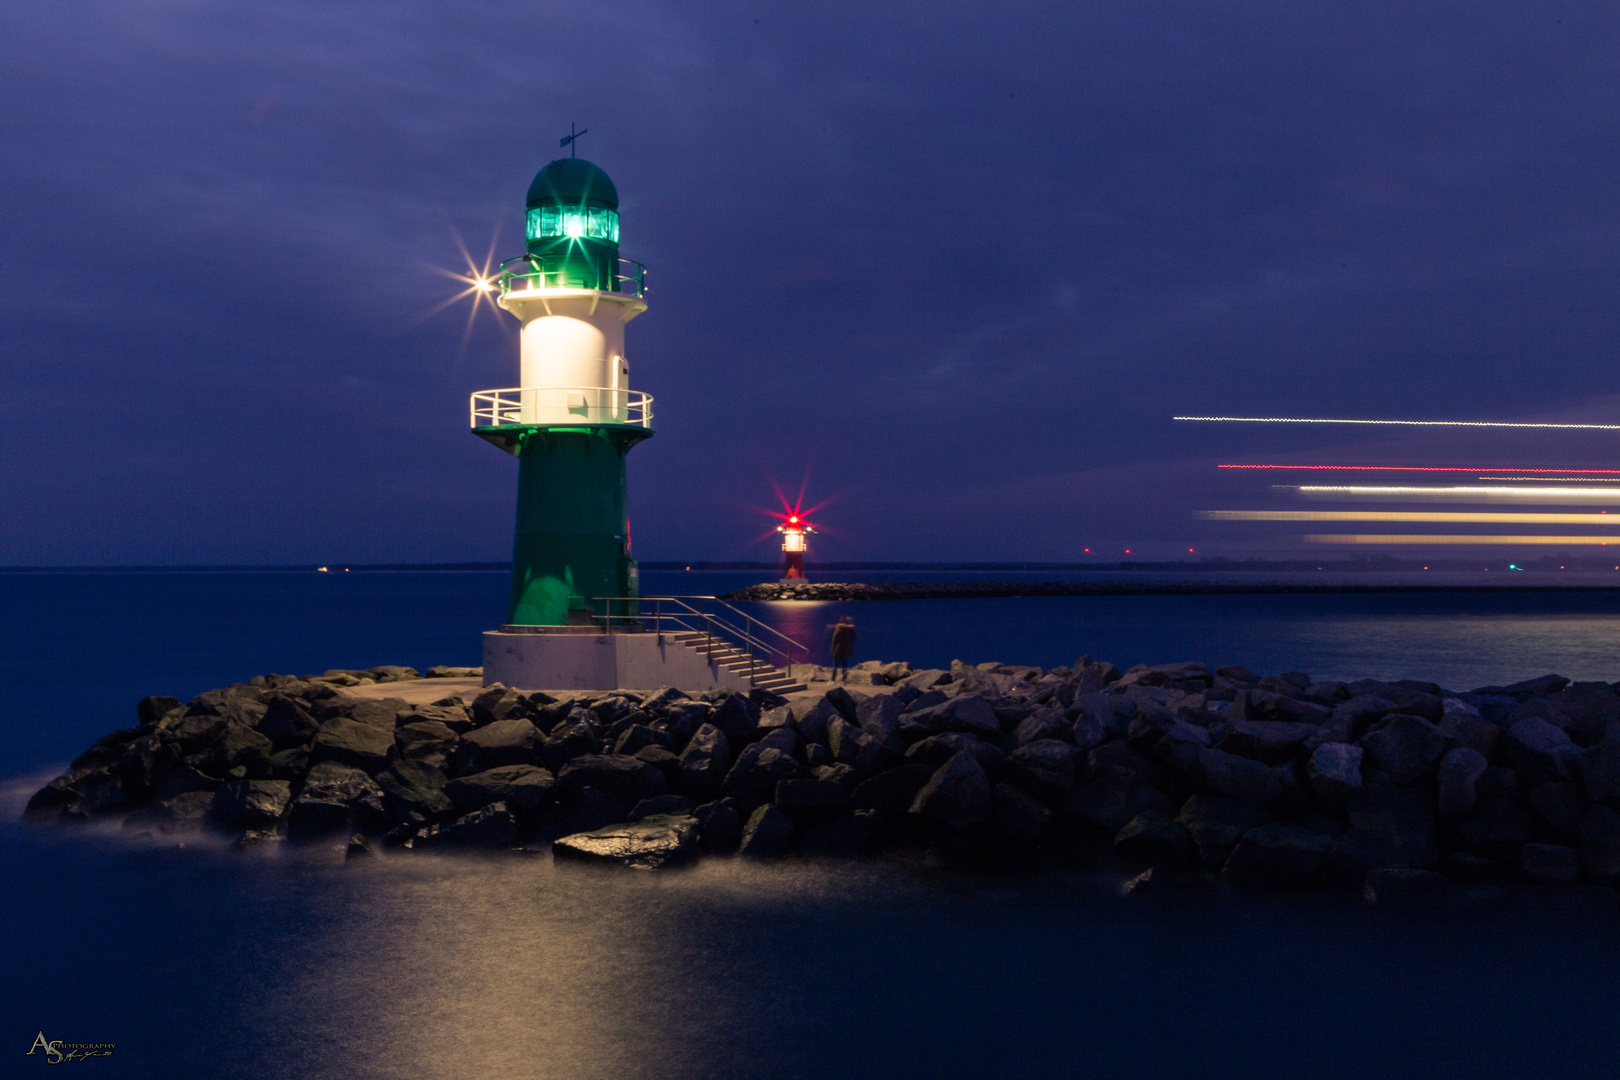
[
  {"x": 893, "y": 790},
  {"x": 720, "y": 828},
  {"x": 879, "y": 717},
  {"x": 523, "y": 788},
  {"x": 1017, "y": 818},
  {"x": 769, "y": 833},
  {"x": 1215, "y": 825},
  {"x": 569, "y": 741},
  {"x": 759, "y": 768},
  {"x": 809, "y": 801},
  {"x": 513, "y": 741},
  {"x": 1497, "y": 831},
  {"x": 1600, "y": 843},
  {"x": 1261, "y": 705},
  {"x": 1109, "y": 798},
  {"x": 653, "y": 842},
  {"x": 415, "y": 790},
  {"x": 704, "y": 762},
  {"x": 1405, "y": 747},
  {"x": 1460, "y": 770},
  {"x": 1402, "y": 819},
  {"x": 624, "y": 781},
  {"x": 637, "y": 737},
  {"x": 239, "y": 746},
  {"x": 957, "y": 795},
  {"x": 936, "y": 750},
  {"x": 487, "y": 827},
  {"x": 334, "y": 795},
  {"x": 251, "y": 804},
  {"x": 366, "y": 747},
  {"x": 1540, "y": 752},
  {"x": 1153, "y": 839},
  {"x": 496, "y": 704},
  {"x": 1047, "y": 767},
  {"x": 1270, "y": 741},
  {"x": 1600, "y": 768},
  {"x": 811, "y": 718},
  {"x": 1552, "y": 864},
  {"x": 286, "y": 722},
  {"x": 1277, "y": 856},
  {"x": 186, "y": 813},
  {"x": 1236, "y": 777},
  {"x": 1558, "y": 804},
  {"x": 970, "y": 713},
  {"x": 852, "y": 746},
  {"x": 1335, "y": 772},
  {"x": 378, "y": 712},
  {"x": 1044, "y": 723}
]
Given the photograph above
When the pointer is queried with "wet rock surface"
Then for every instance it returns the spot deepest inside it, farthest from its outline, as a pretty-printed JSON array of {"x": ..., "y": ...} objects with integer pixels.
[{"x": 1403, "y": 792}]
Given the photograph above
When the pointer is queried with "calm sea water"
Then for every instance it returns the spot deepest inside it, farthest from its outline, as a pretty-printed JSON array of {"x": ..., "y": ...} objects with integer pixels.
[{"x": 202, "y": 963}]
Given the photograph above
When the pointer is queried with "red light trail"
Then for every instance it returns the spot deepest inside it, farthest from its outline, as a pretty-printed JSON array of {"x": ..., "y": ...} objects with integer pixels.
[{"x": 1428, "y": 468}]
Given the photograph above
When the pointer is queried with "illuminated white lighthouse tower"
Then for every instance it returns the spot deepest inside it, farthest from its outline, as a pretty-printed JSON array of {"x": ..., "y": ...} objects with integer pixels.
[{"x": 574, "y": 417}]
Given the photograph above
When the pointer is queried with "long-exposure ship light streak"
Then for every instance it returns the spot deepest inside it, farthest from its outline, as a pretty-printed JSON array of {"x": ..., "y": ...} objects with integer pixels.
[
  {"x": 1392, "y": 423},
  {"x": 1438, "y": 540},
  {"x": 1433, "y": 516},
  {"x": 1477, "y": 469},
  {"x": 1397, "y": 493}
]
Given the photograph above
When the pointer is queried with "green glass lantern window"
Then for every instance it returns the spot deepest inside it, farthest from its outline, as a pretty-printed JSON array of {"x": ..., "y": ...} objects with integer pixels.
[{"x": 588, "y": 222}]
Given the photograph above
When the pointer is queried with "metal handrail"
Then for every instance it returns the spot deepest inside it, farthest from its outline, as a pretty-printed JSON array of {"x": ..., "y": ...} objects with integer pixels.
[
  {"x": 633, "y": 283},
  {"x": 496, "y": 408},
  {"x": 710, "y": 622}
]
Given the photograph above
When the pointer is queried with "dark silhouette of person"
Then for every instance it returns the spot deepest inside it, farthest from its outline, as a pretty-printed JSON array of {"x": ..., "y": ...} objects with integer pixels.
[{"x": 843, "y": 645}]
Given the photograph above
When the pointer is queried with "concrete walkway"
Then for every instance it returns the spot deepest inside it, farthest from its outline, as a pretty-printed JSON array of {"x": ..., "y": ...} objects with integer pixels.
[{"x": 427, "y": 691}]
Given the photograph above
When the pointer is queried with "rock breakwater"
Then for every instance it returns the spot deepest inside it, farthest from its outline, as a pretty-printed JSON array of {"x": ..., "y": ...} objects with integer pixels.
[{"x": 1182, "y": 775}]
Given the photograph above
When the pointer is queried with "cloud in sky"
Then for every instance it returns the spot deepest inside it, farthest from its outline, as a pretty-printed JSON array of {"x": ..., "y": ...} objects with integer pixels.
[{"x": 966, "y": 260}]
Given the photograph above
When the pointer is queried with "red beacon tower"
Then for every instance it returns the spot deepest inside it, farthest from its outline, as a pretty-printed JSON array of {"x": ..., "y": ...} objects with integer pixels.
[{"x": 793, "y": 532}]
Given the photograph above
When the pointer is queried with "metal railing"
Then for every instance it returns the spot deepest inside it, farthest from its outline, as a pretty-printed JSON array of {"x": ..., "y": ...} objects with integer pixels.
[
  {"x": 712, "y": 617},
  {"x": 630, "y": 278},
  {"x": 561, "y": 406}
]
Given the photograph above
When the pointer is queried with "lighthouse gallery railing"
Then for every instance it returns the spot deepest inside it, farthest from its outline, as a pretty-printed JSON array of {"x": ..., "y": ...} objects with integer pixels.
[
  {"x": 630, "y": 278},
  {"x": 561, "y": 406}
]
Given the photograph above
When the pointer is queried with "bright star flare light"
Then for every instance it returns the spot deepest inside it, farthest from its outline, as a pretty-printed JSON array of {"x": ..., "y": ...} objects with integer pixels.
[
  {"x": 1429, "y": 516},
  {"x": 1391, "y": 423}
]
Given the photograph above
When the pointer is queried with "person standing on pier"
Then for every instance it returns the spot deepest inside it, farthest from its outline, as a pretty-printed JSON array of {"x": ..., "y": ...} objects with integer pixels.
[{"x": 843, "y": 646}]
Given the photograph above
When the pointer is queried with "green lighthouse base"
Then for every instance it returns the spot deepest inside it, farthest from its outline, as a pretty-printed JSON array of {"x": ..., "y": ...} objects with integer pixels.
[{"x": 573, "y": 535}]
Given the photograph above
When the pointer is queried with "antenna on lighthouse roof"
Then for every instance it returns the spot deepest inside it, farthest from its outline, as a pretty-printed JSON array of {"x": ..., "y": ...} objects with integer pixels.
[{"x": 568, "y": 140}]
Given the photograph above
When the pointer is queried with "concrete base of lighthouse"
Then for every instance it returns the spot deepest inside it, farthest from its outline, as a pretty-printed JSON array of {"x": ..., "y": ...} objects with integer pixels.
[{"x": 535, "y": 659}]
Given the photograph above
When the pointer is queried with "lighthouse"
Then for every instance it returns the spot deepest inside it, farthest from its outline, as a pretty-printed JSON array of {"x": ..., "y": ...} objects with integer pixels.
[
  {"x": 794, "y": 545},
  {"x": 573, "y": 418}
]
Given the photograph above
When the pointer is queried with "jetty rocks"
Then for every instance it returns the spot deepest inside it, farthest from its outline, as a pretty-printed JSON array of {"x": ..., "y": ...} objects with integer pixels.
[{"x": 1183, "y": 776}]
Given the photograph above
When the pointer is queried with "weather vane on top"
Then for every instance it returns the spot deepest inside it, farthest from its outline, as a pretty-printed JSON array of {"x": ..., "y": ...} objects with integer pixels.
[{"x": 568, "y": 140}]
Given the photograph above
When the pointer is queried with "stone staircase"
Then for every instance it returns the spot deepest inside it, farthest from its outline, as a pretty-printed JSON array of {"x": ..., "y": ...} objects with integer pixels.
[{"x": 728, "y": 657}]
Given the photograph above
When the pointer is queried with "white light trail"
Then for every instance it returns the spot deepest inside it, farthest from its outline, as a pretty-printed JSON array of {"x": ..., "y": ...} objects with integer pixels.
[
  {"x": 1391, "y": 423},
  {"x": 1429, "y": 539},
  {"x": 1414, "y": 493}
]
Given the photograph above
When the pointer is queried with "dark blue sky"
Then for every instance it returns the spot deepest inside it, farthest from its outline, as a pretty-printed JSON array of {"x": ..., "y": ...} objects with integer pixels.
[{"x": 962, "y": 262}]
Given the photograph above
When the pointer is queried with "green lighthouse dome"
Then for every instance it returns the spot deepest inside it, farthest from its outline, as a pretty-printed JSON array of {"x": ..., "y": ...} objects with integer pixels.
[
  {"x": 573, "y": 182},
  {"x": 572, "y": 226}
]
